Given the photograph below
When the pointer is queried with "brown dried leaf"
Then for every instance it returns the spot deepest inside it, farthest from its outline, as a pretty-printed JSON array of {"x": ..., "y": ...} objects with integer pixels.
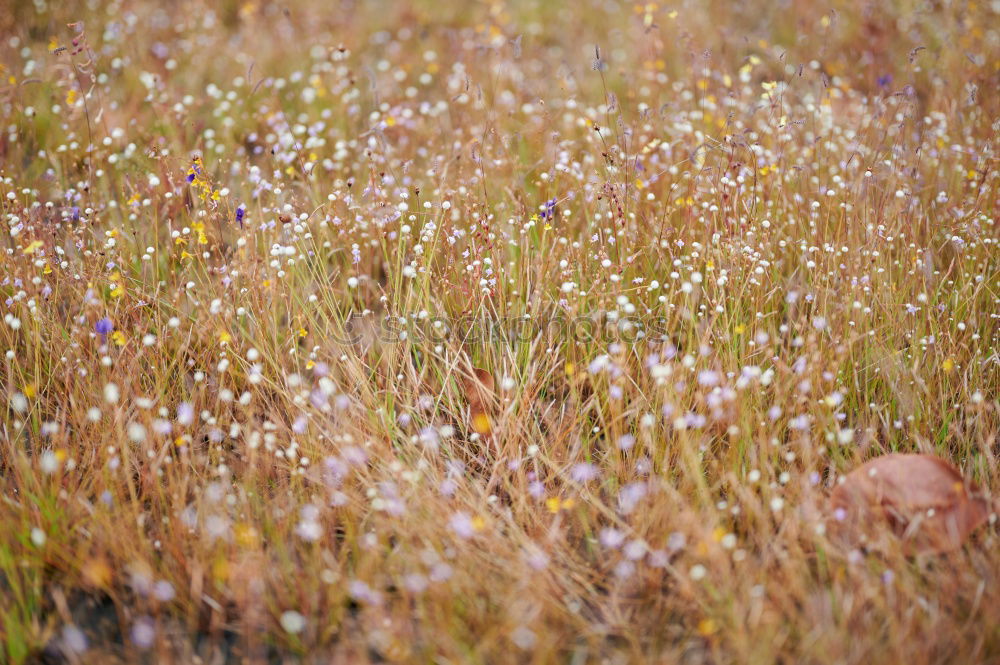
[
  {"x": 479, "y": 391},
  {"x": 923, "y": 499}
]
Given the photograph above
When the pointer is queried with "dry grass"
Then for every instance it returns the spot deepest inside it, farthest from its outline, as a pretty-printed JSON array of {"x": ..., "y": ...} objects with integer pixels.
[{"x": 709, "y": 268}]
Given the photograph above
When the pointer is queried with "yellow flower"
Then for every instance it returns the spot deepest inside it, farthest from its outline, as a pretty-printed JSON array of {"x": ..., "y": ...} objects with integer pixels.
[
  {"x": 481, "y": 423},
  {"x": 118, "y": 338},
  {"x": 246, "y": 535},
  {"x": 555, "y": 504}
]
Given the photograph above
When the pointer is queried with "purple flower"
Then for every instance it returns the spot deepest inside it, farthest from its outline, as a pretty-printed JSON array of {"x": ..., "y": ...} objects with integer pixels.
[
  {"x": 143, "y": 632},
  {"x": 240, "y": 212},
  {"x": 185, "y": 413},
  {"x": 462, "y": 525},
  {"x": 626, "y": 441},
  {"x": 550, "y": 209},
  {"x": 104, "y": 327},
  {"x": 583, "y": 472},
  {"x": 611, "y": 538},
  {"x": 884, "y": 81}
]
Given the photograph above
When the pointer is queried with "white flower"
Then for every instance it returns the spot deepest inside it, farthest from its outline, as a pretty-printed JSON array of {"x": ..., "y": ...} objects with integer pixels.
[{"x": 293, "y": 622}]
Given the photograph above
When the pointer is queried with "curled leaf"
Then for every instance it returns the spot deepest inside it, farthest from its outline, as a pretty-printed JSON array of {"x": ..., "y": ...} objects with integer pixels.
[{"x": 923, "y": 500}]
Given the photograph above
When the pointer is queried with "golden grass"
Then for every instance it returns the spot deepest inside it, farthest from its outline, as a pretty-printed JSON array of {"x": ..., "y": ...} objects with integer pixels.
[{"x": 711, "y": 256}]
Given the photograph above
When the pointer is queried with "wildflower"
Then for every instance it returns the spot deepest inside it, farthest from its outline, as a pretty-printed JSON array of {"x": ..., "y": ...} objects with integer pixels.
[
  {"x": 195, "y": 170},
  {"x": 360, "y": 591},
  {"x": 19, "y": 402},
  {"x": 635, "y": 549},
  {"x": 415, "y": 583},
  {"x": 481, "y": 423},
  {"x": 676, "y": 541},
  {"x": 240, "y": 212},
  {"x": 293, "y": 622},
  {"x": 309, "y": 529},
  {"x": 73, "y": 639},
  {"x": 104, "y": 327},
  {"x": 143, "y": 632},
  {"x": 630, "y": 495},
  {"x": 549, "y": 209},
  {"x": 535, "y": 557},
  {"x": 523, "y": 637},
  {"x": 555, "y": 504},
  {"x": 463, "y": 525},
  {"x": 163, "y": 591},
  {"x": 185, "y": 413},
  {"x": 136, "y": 432},
  {"x": 611, "y": 538},
  {"x": 583, "y": 472},
  {"x": 440, "y": 572},
  {"x": 625, "y": 442},
  {"x": 658, "y": 559}
]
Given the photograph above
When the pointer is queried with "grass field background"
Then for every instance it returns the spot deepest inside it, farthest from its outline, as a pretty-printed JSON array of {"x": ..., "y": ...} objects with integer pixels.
[{"x": 485, "y": 332}]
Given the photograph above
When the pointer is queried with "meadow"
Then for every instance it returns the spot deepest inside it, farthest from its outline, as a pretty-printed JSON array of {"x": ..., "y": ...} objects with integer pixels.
[{"x": 493, "y": 332}]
